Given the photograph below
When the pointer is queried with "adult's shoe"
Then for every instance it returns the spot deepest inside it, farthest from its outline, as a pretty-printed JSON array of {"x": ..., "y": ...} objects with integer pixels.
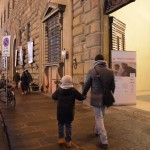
[{"x": 103, "y": 146}]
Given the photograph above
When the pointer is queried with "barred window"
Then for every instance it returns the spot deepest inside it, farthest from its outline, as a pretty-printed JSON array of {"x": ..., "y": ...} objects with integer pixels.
[
  {"x": 20, "y": 37},
  {"x": 54, "y": 38},
  {"x": 28, "y": 31},
  {"x": 4, "y": 16},
  {"x": 13, "y": 4},
  {"x": 8, "y": 9},
  {"x": 1, "y": 22}
]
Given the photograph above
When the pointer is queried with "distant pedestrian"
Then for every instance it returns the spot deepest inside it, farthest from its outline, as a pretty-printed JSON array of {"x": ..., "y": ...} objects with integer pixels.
[
  {"x": 30, "y": 79},
  {"x": 65, "y": 96},
  {"x": 16, "y": 78},
  {"x": 93, "y": 81},
  {"x": 3, "y": 77},
  {"x": 24, "y": 83}
]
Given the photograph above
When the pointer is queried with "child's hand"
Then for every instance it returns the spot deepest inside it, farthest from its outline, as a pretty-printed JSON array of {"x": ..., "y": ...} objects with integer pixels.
[{"x": 84, "y": 97}]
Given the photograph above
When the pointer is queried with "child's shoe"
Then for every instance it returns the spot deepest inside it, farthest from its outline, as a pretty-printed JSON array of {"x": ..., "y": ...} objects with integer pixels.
[{"x": 61, "y": 140}]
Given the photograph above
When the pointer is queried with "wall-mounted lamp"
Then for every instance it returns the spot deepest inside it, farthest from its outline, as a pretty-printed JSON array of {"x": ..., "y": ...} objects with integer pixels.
[
  {"x": 75, "y": 63},
  {"x": 64, "y": 54},
  {"x": 6, "y": 32}
]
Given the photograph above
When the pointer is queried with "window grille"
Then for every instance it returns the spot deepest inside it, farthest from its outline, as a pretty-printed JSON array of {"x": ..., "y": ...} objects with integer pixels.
[
  {"x": 20, "y": 37},
  {"x": 54, "y": 38},
  {"x": 8, "y": 9},
  {"x": 4, "y": 16},
  {"x": 28, "y": 31},
  {"x": 1, "y": 22}
]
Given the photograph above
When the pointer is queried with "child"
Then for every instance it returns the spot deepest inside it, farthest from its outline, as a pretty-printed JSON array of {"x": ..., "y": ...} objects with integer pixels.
[{"x": 66, "y": 95}]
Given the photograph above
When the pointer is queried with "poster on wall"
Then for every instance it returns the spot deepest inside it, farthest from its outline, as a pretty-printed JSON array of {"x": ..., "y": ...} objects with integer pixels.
[
  {"x": 30, "y": 52},
  {"x": 124, "y": 66},
  {"x": 21, "y": 55},
  {"x": 16, "y": 55}
]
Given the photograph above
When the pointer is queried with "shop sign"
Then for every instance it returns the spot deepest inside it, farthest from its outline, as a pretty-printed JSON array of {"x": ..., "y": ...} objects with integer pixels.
[{"x": 113, "y": 5}]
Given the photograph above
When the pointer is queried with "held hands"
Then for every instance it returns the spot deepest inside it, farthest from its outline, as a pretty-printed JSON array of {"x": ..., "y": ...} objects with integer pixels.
[{"x": 84, "y": 96}]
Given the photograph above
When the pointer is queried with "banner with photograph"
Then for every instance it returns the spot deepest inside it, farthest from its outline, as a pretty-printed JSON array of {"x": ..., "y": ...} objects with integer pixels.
[
  {"x": 124, "y": 66},
  {"x": 16, "y": 56},
  {"x": 21, "y": 55},
  {"x": 30, "y": 52}
]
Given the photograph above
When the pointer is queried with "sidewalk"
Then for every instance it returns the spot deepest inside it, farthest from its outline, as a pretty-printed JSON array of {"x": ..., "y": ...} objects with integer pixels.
[{"x": 33, "y": 126}]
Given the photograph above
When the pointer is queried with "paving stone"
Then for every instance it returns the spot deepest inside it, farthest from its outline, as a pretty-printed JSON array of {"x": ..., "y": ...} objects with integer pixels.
[{"x": 33, "y": 126}]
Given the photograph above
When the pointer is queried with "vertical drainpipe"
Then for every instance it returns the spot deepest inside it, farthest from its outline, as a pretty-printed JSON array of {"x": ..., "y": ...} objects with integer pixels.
[{"x": 70, "y": 14}]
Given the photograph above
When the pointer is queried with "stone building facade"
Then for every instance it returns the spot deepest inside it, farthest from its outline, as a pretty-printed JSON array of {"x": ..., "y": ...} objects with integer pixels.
[{"x": 76, "y": 28}]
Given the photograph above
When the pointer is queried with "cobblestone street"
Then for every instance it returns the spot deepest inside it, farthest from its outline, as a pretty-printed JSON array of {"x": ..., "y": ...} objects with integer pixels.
[{"x": 33, "y": 126}]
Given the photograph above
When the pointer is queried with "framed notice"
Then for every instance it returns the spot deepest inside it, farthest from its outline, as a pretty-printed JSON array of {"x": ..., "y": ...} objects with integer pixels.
[
  {"x": 21, "y": 55},
  {"x": 124, "y": 66},
  {"x": 16, "y": 56},
  {"x": 30, "y": 52}
]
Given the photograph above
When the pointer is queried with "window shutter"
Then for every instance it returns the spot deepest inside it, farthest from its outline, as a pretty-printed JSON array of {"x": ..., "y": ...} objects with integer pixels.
[{"x": 117, "y": 34}]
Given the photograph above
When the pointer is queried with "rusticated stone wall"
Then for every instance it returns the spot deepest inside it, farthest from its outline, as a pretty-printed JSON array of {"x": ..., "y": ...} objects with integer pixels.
[
  {"x": 82, "y": 36},
  {"x": 87, "y": 35}
]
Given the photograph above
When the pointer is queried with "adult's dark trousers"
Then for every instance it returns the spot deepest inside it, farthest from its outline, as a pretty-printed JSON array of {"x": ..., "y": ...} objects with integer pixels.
[
  {"x": 16, "y": 86},
  {"x": 24, "y": 87}
]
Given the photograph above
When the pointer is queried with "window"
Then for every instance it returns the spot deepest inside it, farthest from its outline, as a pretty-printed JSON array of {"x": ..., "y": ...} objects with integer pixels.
[
  {"x": 117, "y": 34},
  {"x": 20, "y": 37},
  {"x": 8, "y": 9},
  {"x": 4, "y": 16},
  {"x": 53, "y": 19},
  {"x": 54, "y": 38},
  {"x": 13, "y": 4},
  {"x": 1, "y": 22},
  {"x": 28, "y": 31}
]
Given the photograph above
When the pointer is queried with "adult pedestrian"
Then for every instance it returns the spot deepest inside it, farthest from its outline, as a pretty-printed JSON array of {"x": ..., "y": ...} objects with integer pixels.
[
  {"x": 30, "y": 79},
  {"x": 24, "y": 83},
  {"x": 93, "y": 81},
  {"x": 65, "y": 96},
  {"x": 3, "y": 76},
  {"x": 16, "y": 78}
]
